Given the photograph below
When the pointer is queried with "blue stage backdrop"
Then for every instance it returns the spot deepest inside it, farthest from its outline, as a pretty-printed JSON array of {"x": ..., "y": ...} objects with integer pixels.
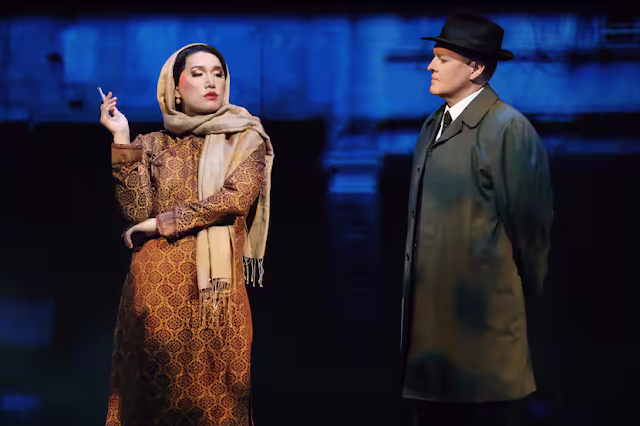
[{"x": 365, "y": 76}]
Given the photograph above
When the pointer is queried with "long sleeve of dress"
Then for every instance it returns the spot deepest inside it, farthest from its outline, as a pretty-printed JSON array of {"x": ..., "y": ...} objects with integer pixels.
[
  {"x": 235, "y": 198},
  {"x": 130, "y": 168},
  {"x": 525, "y": 201}
]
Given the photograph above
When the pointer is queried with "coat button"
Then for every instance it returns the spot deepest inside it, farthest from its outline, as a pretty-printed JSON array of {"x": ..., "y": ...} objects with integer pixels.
[
  {"x": 407, "y": 256},
  {"x": 418, "y": 168},
  {"x": 413, "y": 213}
]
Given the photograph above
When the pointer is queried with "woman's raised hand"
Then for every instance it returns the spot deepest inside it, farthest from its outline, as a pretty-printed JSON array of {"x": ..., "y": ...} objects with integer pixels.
[{"x": 114, "y": 120}]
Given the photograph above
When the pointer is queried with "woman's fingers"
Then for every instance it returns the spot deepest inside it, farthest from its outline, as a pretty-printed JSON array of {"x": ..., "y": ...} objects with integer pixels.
[
  {"x": 127, "y": 236},
  {"x": 104, "y": 112},
  {"x": 107, "y": 99},
  {"x": 127, "y": 240},
  {"x": 109, "y": 106}
]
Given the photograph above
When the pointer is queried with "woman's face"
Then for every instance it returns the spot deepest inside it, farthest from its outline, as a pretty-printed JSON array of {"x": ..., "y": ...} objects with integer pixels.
[{"x": 202, "y": 84}]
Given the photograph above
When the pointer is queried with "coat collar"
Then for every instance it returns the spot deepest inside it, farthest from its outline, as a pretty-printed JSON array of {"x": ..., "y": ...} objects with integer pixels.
[{"x": 472, "y": 114}]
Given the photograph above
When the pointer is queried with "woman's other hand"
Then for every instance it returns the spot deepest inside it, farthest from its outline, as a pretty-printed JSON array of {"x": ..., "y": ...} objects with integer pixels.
[{"x": 148, "y": 228}]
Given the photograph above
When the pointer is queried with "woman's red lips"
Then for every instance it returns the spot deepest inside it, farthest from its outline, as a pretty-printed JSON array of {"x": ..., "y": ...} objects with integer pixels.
[{"x": 212, "y": 96}]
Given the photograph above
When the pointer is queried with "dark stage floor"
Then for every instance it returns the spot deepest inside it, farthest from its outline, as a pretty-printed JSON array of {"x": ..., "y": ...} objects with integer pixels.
[{"x": 327, "y": 321}]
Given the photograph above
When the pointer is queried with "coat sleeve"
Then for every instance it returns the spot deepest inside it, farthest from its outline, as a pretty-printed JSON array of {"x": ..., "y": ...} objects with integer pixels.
[
  {"x": 525, "y": 200},
  {"x": 130, "y": 168},
  {"x": 235, "y": 199}
]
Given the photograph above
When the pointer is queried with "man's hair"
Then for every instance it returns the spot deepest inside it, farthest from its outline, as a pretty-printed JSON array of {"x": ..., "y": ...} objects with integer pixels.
[
  {"x": 490, "y": 66},
  {"x": 489, "y": 63}
]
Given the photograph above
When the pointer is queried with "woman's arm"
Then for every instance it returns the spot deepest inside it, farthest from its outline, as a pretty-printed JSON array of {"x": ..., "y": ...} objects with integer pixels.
[
  {"x": 130, "y": 168},
  {"x": 235, "y": 198}
]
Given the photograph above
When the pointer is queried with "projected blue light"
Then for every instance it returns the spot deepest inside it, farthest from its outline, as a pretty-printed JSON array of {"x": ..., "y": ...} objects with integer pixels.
[
  {"x": 343, "y": 69},
  {"x": 19, "y": 403},
  {"x": 25, "y": 322},
  {"x": 353, "y": 183},
  {"x": 372, "y": 67},
  {"x": 538, "y": 408}
]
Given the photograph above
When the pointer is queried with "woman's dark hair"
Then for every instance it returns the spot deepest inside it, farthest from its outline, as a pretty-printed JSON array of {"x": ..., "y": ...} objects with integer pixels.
[{"x": 181, "y": 59}]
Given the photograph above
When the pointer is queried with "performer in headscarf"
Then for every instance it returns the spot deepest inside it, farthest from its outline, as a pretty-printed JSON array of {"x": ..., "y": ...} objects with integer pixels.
[{"x": 184, "y": 331}]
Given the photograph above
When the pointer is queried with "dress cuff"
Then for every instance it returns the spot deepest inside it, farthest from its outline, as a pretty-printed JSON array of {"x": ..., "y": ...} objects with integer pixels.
[
  {"x": 166, "y": 223},
  {"x": 121, "y": 153}
]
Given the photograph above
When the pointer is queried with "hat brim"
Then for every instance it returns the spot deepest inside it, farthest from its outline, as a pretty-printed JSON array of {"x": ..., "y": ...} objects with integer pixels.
[{"x": 501, "y": 55}]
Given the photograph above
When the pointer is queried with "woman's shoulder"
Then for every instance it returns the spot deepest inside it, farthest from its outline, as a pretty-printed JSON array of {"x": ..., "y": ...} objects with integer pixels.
[
  {"x": 155, "y": 140},
  {"x": 251, "y": 137},
  {"x": 153, "y": 137},
  {"x": 242, "y": 112}
]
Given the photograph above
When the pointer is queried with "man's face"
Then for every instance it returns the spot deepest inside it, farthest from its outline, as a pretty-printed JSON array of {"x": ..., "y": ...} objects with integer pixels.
[{"x": 450, "y": 73}]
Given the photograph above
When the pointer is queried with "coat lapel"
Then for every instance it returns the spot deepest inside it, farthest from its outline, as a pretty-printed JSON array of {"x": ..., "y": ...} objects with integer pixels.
[
  {"x": 454, "y": 128},
  {"x": 472, "y": 114},
  {"x": 478, "y": 108},
  {"x": 428, "y": 134}
]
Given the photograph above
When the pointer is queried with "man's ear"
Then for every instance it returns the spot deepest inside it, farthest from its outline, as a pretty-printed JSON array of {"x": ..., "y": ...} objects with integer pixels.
[{"x": 477, "y": 70}]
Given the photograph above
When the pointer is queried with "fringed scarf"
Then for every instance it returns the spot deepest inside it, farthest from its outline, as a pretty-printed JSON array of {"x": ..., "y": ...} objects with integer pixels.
[{"x": 220, "y": 156}]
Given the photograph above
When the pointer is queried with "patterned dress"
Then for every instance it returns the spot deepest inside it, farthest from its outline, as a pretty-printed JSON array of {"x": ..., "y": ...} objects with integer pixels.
[{"x": 168, "y": 367}]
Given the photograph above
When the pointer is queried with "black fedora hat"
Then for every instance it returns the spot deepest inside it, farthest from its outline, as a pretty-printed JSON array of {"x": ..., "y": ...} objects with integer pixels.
[{"x": 473, "y": 35}]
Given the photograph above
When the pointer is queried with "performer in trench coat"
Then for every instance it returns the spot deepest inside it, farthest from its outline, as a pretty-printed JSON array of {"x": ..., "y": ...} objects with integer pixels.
[{"x": 480, "y": 213}]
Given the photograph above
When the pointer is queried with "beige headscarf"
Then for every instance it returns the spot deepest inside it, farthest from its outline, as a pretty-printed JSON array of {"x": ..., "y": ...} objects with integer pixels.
[{"x": 220, "y": 156}]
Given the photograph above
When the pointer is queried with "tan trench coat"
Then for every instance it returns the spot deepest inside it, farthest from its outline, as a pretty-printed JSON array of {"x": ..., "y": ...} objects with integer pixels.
[{"x": 480, "y": 213}]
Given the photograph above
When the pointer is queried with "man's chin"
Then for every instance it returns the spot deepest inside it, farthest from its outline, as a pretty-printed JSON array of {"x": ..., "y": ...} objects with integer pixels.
[{"x": 436, "y": 92}]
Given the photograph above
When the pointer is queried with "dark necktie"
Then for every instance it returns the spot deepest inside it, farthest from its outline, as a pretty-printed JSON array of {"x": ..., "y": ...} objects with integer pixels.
[{"x": 447, "y": 121}]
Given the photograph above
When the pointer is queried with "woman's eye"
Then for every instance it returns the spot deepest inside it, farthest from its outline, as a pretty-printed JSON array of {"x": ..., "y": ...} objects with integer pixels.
[{"x": 196, "y": 75}]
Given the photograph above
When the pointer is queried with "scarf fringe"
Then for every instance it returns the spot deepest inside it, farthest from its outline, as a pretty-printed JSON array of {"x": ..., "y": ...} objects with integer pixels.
[
  {"x": 210, "y": 299},
  {"x": 253, "y": 271}
]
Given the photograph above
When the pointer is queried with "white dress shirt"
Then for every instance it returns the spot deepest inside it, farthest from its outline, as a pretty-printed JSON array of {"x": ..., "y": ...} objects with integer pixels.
[{"x": 457, "y": 109}]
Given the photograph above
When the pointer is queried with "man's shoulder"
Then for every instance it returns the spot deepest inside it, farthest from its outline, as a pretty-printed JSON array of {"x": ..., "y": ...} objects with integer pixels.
[{"x": 502, "y": 113}]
